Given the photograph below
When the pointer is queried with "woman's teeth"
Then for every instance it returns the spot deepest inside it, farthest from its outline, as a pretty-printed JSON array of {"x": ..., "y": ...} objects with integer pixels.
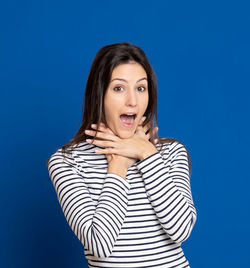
[{"x": 127, "y": 119}]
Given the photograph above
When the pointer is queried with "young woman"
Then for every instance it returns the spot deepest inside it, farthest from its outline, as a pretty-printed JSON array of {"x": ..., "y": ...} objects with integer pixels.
[{"x": 124, "y": 192}]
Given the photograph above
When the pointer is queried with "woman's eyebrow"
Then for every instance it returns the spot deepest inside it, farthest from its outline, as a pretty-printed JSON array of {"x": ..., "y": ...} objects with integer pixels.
[{"x": 124, "y": 80}]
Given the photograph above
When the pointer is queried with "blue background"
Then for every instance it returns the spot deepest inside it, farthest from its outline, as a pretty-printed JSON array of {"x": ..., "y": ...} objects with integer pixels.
[{"x": 200, "y": 51}]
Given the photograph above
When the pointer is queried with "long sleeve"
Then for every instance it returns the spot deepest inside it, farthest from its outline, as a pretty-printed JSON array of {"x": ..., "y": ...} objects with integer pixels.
[
  {"x": 167, "y": 183},
  {"x": 96, "y": 225}
]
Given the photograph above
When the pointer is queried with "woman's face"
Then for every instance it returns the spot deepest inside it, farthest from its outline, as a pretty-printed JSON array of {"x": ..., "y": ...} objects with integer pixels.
[{"x": 126, "y": 98}]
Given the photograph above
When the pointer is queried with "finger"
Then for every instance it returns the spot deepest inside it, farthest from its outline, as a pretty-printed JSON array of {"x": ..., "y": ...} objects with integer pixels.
[
  {"x": 150, "y": 135},
  {"x": 109, "y": 156},
  {"x": 107, "y": 151},
  {"x": 97, "y": 127},
  {"x": 140, "y": 131},
  {"x": 141, "y": 120},
  {"x": 100, "y": 143},
  {"x": 145, "y": 129},
  {"x": 102, "y": 124},
  {"x": 102, "y": 127},
  {"x": 101, "y": 135},
  {"x": 155, "y": 130},
  {"x": 156, "y": 141},
  {"x": 90, "y": 132}
]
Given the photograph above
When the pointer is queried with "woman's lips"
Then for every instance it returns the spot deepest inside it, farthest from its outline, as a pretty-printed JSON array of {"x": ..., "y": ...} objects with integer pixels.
[{"x": 127, "y": 120}]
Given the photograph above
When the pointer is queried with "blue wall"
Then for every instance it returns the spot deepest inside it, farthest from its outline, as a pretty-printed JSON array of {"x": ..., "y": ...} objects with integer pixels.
[{"x": 200, "y": 51}]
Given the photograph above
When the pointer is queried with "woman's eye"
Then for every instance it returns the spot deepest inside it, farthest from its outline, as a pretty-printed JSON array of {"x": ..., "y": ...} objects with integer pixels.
[
  {"x": 118, "y": 88},
  {"x": 141, "y": 88}
]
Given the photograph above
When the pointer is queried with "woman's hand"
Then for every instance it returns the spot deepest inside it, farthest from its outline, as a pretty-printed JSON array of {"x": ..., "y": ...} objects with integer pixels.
[
  {"x": 117, "y": 164},
  {"x": 136, "y": 147}
]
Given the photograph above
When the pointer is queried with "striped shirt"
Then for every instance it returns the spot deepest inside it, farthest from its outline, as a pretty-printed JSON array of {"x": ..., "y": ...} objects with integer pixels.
[{"x": 138, "y": 222}]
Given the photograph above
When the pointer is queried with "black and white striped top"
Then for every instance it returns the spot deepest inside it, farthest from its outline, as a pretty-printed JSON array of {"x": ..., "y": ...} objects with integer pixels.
[{"x": 137, "y": 222}]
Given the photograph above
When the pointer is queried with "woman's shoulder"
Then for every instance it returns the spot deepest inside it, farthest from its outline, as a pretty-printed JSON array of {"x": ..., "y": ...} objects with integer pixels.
[
  {"x": 69, "y": 153},
  {"x": 168, "y": 142},
  {"x": 82, "y": 147},
  {"x": 171, "y": 145},
  {"x": 173, "y": 148},
  {"x": 60, "y": 156},
  {"x": 78, "y": 154}
]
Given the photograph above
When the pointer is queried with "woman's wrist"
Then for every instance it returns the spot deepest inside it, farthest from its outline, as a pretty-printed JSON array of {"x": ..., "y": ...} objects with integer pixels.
[
  {"x": 146, "y": 152},
  {"x": 115, "y": 167}
]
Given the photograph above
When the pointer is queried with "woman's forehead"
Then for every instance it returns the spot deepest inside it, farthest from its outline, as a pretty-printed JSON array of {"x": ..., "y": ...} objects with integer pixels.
[{"x": 129, "y": 70}]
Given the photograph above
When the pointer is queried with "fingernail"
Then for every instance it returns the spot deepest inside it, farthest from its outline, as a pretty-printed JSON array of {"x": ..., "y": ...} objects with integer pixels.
[
  {"x": 87, "y": 131},
  {"x": 88, "y": 140},
  {"x": 93, "y": 125},
  {"x": 143, "y": 118}
]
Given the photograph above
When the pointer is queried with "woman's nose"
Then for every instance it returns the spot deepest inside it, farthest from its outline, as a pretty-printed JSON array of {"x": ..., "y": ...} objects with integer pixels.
[{"x": 131, "y": 98}]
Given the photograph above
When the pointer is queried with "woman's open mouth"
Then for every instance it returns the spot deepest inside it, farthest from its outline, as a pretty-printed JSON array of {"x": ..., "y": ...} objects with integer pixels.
[{"x": 128, "y": 119}]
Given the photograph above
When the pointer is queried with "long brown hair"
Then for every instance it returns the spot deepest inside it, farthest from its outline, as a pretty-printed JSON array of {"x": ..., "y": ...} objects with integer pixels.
[{"x": 99, "y": 77}]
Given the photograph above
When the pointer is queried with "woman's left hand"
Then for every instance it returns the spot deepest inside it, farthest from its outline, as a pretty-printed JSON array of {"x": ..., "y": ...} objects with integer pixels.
[{"x": 137, "y": 147}]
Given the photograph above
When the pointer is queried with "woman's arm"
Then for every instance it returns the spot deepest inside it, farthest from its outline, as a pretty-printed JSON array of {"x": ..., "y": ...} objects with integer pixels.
[
  {"x": 167, "y": 183},
  {"x": 96, "y": 226}
]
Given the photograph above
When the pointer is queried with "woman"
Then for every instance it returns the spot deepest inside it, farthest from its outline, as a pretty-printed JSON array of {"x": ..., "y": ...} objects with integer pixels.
[{"x": 125, "y": 194}]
